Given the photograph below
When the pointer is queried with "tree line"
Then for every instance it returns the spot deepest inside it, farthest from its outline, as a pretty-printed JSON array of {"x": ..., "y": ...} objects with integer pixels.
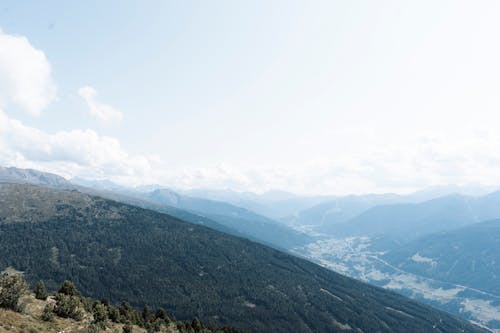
[{"x": 68, "y": 302}]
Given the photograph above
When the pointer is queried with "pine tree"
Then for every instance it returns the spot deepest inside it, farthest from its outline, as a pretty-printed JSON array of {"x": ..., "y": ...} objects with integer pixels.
[
  {"x": 114, "y": 314},
  {"x": 68, "y": 288},
  {"x": 40, "y": 291},
  {"x": 161, "y": 314},
  {"x": 125, "y": 312},
  {"x": 68, "y": 307},
  {"x": 100, "y": 314},
  {"x": 12, "y": 287},
  {"x": 105, "y": 301},
  {"x": 48, "y": 312},
  {"x": 196, "y": 324},
  {"x": 147, "y": 315}
]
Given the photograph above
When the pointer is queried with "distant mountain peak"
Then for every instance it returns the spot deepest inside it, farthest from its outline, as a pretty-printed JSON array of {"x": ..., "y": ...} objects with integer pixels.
[{"x": 31, "y": 176}]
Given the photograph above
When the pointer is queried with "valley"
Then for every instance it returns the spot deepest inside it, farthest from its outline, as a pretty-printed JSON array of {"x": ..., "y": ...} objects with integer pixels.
[{"x": 354, "y": 257}]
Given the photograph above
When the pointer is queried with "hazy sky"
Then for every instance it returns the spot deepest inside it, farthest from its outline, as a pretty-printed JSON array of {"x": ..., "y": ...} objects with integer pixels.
[{"x": 306, "y": 96}]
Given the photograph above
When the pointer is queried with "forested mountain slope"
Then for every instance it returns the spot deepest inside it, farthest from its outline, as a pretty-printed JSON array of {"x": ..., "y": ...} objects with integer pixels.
[
  {"x": 121, "y": 252},
  {"x": 244, "y": 221},
  {"x": 214, "y": 214},
  {"x": 469, "y": 256}
]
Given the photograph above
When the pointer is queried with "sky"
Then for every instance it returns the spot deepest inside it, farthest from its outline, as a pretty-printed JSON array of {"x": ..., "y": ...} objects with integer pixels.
[{"x": 311, "y": 97}]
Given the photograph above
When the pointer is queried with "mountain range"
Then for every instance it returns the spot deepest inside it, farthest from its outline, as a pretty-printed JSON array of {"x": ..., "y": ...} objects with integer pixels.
[
  {"x": 120, "y": 251},
  {"x": 395, "y": 224},
  {"x": 409, "y": 221}
]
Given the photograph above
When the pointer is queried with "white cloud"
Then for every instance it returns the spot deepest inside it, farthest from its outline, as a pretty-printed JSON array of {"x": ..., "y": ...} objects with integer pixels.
[
  {"x": 466, "y": 159},
  {"x": 25, "y": 75},
  {"x": 97, "y": 109},
  {"x": 25, "y": 81},
  {"x": 431, "y": 160},
  {"x": 70, "y": 153}
]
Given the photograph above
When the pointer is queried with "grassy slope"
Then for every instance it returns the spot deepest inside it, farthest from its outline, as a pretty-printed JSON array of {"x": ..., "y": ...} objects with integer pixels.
[{"x": 29, "y": 321}]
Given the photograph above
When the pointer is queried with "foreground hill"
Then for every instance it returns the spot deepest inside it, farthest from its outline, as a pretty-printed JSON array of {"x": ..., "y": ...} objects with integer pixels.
[
  {"x": 468, "y": 256},
  {"x": 121, "y": 252},
  {"x": 68, "y": 311}
]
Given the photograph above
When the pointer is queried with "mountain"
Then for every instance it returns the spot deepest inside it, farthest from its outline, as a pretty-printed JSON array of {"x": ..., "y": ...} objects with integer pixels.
[
  {"x": 254, "y": 226},
  {"x": 324, "y": 216},
  {"x": 277, "y": 205},
  {"x": 388, "y": 246},
  {"x": 30, "y": 176},
  {"x": 320, "y": 210},
  {"x": 435, "y": 192},
  {"x": 214, "y": 214},
  {"x": 405, "y": 222},
  {"x": 229, "y": 195},
  {"x": 119, "y": 251},
  {"x": 467, "y": 256},
  {"x": 341, "y": 209},
  {"x": 101, "y": 185}
]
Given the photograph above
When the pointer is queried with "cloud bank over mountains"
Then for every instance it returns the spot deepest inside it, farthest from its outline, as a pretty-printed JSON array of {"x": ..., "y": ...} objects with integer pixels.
[
  {"x": 78, "y": 152},
  {"x": 26, "y": 82}
]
